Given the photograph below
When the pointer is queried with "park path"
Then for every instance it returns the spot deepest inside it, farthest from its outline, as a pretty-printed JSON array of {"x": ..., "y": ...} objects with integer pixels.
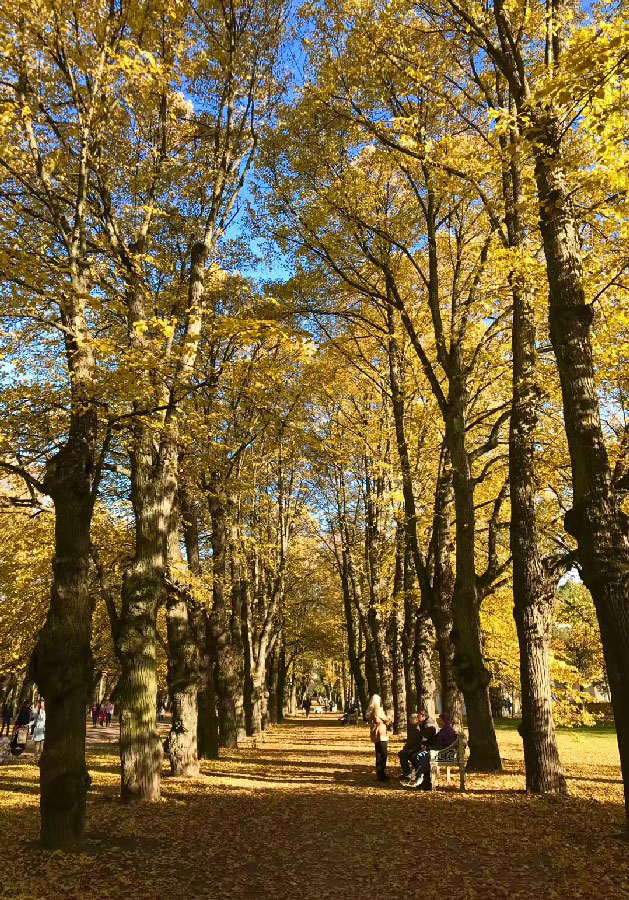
[{"x": 301, "y": 817}]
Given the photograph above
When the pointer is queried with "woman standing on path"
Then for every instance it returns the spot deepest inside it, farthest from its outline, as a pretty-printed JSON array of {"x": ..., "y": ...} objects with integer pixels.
[{"x": 378, "y": 722}]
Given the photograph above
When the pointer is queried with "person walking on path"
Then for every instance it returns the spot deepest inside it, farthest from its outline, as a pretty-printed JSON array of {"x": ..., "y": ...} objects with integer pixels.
[
  {"x": 95, "y": 713},
  {"x": 39, "y": 731},
  {"x": 378, "y": 721},
  {"x": 109, "y": 711},
  {"x": 306, "y": 706},
  {"x": 7, "y": 715}
]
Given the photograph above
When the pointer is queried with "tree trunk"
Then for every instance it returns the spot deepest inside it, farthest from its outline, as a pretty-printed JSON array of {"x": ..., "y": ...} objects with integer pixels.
[
  {"x": 62, "y": 660},
  {"x": 281, "y": 681},
  {"x": 399, "y": 683},
  {"x": 471, "y": 674},
  {"x": 207, "y": 724},
  {"x": 408, "y": 634},
  {"x": 442, "y": 592},
  {"x": 373, "y": 565},
  {"x": 422, "y": 662},
  {"x": 371, "y": 669},
  {"x": 207, "y": 721},
  {"x": 532, "y": 591},
  {"x": 183, "y": 688},
  {"x": 359, "y": 678},
  {"x": 596, "y": 519},
  {"x": 395, "y": 635},
  {"x": 183, "y": 661},
  {"x": 140, "y": 744},
  {"x": 143, "y": 590},
  {"x": 226, "y": 632},
  {"x": 293, "y": 692},
  {"x": 271, "y": 686}
]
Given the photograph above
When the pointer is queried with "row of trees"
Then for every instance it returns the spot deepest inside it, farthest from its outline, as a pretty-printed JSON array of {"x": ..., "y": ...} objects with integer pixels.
[
  {"x": 456, "y": 210},
  {"x": 208, "y": 467}
]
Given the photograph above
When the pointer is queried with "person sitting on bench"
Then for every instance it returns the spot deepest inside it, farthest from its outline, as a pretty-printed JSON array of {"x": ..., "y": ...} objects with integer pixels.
[
  {"x": 445, "y": 737},
  {"x": 422, "y": 729}
]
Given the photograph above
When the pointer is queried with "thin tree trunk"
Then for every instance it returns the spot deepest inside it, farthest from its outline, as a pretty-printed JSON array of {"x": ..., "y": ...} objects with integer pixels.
[
  {"x": 373, "y": 562},
  {"x": 229, "y": 676},
  {"x": 183, "y": 666},
  {"x": 207, "y": 724},
  {"x": 408, "y": 634},
  {"x": 471, "y": 673},
  {"x": 422, "y": 662},
  {"x": 371, "y": 668},
  {"x": 293, "y": 691},
  {"x": 442, "y": 592},
  {"x": 207, "y": 721},
  {"x": 359, "y": 678},
  {"x": 395, "y": 635},
  {"x": 281, "y": 681}
]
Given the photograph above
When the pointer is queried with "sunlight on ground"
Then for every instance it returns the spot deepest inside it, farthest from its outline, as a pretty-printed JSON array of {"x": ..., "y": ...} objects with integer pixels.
[{"x": 301, "y": 816}]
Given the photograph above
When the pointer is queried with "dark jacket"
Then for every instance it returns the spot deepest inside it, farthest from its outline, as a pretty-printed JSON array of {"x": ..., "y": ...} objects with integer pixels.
[
  {"x": 24, "y": 716},
  {"x": 421, "y": 736},
  {"x": 445, "y": 737}
]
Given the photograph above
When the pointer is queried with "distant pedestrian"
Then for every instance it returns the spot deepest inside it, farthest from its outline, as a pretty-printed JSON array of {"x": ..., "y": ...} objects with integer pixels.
[
  {"x": 7, "y": 715},
  {"x": 306, "y": 706},
  {"x": 24, "y": 716},
  {"x": 378, "y": 721},
  {"x": 109, "y": 711},
  {"x": 95, "y": 714},
  {"x": 39, "y": 731},
  {"x": 161, "y": 712}
]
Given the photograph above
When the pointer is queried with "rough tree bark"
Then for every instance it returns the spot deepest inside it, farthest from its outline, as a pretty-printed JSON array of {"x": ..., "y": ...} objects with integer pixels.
[
  {"x": 434, "y": 576},
  {"x": 533, "y": 591},
  {"x": 62, "y": 660},
  {"x": 443, "y": 589},
  {"x": 143, "y": 591},
  {"x": 394, "y": 630},
  {"x": 352, "y": 651},
  {"x": 422, "y": 665},
  {"x": 183, "y": 663},
  {"x": 596, "y": 519},
  {"x": 471, "y": 673},
  {"x": 377, "y": 589},
  {"x": 207, "y": 723},
  {"x": 225, "y": 625}
]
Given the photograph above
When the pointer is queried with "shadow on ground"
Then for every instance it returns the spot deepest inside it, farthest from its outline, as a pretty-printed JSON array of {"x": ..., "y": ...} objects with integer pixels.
[{"x": 302, "y": 818}]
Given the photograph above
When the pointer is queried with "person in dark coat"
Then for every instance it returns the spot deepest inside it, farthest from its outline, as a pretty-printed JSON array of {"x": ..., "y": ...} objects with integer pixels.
[
  {"x": 7, "y": 715},
  {"x": 421, "y": 732},
  {"x": 24, "y": 716},
  {"x": 445, "y": 737}
]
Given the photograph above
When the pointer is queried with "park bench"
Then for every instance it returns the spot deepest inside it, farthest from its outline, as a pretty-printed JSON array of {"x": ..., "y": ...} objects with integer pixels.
[{"x": 449, "y": 757}]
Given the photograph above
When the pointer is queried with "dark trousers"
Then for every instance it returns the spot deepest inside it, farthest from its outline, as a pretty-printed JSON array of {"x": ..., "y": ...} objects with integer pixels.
[
  {"x": 6, "y": 723},
  {"x": 382, "y": 750},
  {"x": 408, "y": 758},
  {"x": 422, "y": 764}
]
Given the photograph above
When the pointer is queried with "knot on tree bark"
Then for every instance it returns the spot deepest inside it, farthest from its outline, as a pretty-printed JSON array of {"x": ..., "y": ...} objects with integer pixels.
[
  {"x": 66, "y": 790},
  {"x": 469, "y": 675}
]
